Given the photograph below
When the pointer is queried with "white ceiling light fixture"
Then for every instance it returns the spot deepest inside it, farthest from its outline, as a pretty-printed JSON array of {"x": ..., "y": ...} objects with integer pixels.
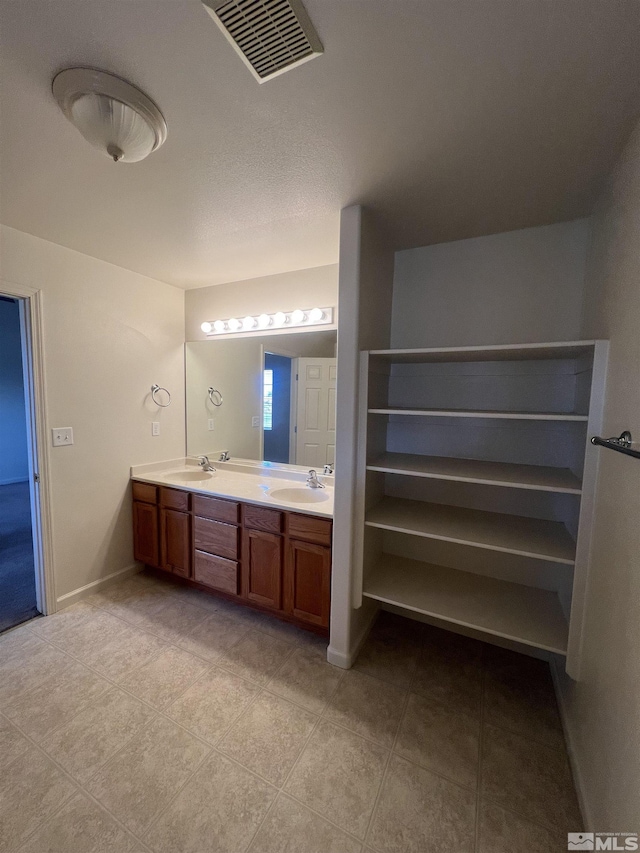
[
  {"x": 112, "y": 114},
  {"x": 289, "y": 321}
]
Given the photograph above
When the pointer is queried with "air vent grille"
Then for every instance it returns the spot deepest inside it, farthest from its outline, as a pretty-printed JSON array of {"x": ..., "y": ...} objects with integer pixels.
[{"x": 272, "y": 36}]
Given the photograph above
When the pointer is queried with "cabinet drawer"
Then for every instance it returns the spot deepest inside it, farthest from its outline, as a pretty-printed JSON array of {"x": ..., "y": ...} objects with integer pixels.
[
  {"x": 216, "y": 509},
  {"x": 258, "y": 518},
  {"x": 308, "y": 528},
  {"x": 215, "y": 538},
  {"x": 174, "y": 499},
  {"x": 145, "y": 492},
  {"x": 216, "y": 572}
]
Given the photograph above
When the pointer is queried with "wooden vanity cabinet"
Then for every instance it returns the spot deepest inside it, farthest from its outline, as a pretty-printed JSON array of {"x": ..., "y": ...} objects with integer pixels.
[
  {"x": 307, "y": 572},
  {"x": 270, "y": 559},
  {"x": 145, "y": 533},
  {"x": 175, "y": 532},
  {"x": 262, "y": 568},
  {"x": 146, "y": 524}
]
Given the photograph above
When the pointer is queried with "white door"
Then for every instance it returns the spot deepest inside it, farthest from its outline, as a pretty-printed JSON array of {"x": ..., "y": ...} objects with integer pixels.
[{"x": 316, "y": 412}]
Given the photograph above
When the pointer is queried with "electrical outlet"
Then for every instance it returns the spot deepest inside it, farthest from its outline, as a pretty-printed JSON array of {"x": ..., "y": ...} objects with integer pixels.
[
  {"x": 210, "y": 424},
  {"x": 62, "y": 436},
  {"x": 155, "y": 427},
  {"x": 255, "y": 422}
]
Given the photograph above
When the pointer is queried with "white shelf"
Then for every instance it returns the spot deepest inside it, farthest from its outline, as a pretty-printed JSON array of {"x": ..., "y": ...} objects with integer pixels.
[
  {"x": 468, "y": 413},
  {"x": 511, "y": 534},
  {"x": 535, "y": 477},
  {"x": 501, "y": 608},
  {"x": 504, "y": 352}
]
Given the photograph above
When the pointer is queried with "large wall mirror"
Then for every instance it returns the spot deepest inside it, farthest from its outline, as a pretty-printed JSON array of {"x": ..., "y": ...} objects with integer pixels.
[{"x": 278, "y": 398}]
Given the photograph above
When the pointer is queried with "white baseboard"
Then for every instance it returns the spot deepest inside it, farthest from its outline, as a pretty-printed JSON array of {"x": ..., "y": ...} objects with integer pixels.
[
  {"x": 346, "y": 661},
  {"x": 578, "y": 779},
  {"x": 84, "y": 591},
  {"x": 13, "y": 480}
]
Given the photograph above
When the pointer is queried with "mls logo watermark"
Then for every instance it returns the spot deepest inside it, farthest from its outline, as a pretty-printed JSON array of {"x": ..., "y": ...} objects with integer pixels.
[{"x": 602, "y": 841}]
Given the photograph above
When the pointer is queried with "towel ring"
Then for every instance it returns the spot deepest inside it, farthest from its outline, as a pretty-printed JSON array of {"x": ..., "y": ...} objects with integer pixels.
[
  {"x": 154, "y": 391},
  {"x": 213, "y": 391}
]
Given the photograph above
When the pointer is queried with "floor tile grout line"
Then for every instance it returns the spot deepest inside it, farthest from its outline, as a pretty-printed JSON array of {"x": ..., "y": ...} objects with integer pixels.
[
  {"x": 477, "y": 839},
  {"x": 550, "y": 827},
  {"x": 208, "y": 743},
  {"x": 78, "y": 787},
  {"x": 112, "y": 683},
  {"x": 163, "y": 809},
  {"x": 206, "y": 612},
  {"x": 386, "y": 768},
  {"x": 519, "y": 733},
  {"x": 161, "y": 712},
  {"x": 265, "y": 687},
  {"x": 282, "y": 787}
]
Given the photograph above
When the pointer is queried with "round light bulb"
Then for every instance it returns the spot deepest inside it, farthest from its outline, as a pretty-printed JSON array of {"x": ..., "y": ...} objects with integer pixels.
[
  {"x": 297, "y": 316},
  {"x": 279, "y": 319},
  {"x": 219, "y": 325},
  {"x": 264, "y": 320},
  {"x": 248, "y": 323},
  {"x": 234, "y": 324},
  {"x": 206, "y": 328},
  {"x": 316, "y": 315}
]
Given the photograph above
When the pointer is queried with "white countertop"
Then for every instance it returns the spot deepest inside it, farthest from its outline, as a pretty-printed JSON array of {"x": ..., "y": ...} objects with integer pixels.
[{"x": 262, "y": 483}]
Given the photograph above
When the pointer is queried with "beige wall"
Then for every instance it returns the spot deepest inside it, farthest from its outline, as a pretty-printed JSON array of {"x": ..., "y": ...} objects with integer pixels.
[
  {"x": 310, "y": 288},
  {"x": 603, "y": 710},
  {"x": 108, "y": 335},
  {"x": 516, "y": 287}
]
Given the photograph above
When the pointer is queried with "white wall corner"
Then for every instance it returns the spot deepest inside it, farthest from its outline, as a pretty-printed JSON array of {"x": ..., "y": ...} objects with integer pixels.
[
  {"x": 346, "y": 660},
  {"x": 558, "y": 676},
  {"x": 95, "y": 586}
]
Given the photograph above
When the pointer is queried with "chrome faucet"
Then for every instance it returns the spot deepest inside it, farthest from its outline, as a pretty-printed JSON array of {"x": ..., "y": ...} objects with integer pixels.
[
  {"x": 312, "y": 480},
  {"x": 204, "y": 463},
  {"x": 224, "y": 456},
  {"x": 328, "y": 469}
]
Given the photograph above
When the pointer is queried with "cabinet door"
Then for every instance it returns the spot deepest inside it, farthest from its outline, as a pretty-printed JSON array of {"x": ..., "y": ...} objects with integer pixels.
[
  {"x": 307, "y": 580},
  {"x": 262, "y": 568},
  {"x": 145, "y": 533},
  {"x": 175, "y": 542}
]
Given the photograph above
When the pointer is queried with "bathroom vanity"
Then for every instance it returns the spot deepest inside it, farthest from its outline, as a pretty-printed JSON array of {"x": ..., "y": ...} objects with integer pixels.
[{"x": 269, "y": 552}]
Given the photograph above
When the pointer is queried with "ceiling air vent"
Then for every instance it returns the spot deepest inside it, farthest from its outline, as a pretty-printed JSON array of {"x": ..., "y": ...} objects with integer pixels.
[{"x": 271, "y": 36}]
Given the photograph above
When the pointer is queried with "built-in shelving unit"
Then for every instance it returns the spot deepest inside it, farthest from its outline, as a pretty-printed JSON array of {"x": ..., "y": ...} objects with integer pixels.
[
  {"x": 537, "y": 477},
  {"x": 480, "y": 413},
  {"x": 529, "y": 537},
  {"x": 478, "y": 491},
  {"x": 530, "y": 616}
]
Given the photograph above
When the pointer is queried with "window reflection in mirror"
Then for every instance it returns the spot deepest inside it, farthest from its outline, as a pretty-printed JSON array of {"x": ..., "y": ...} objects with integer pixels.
[{"x": 278, "y": 393}]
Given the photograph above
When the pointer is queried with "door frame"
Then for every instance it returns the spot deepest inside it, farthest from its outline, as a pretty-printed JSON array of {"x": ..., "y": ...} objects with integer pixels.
[{"x": 31, "y": 328}]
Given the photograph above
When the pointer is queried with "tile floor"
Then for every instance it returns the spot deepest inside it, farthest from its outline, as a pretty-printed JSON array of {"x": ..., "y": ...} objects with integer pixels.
[{"x": 155, "y": 718}]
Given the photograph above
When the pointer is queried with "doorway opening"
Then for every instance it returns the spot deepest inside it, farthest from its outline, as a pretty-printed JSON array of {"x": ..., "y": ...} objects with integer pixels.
[
  {"x": 21, "y": 592},
  {"x": 276, "y": 410},
  {"x": 299, "y": 409}
]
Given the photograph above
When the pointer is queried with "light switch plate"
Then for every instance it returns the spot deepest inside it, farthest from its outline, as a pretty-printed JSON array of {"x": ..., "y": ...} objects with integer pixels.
[
  {"x": 255, "y": 422},
  {"x": 62, "y": 436},
  {"x": 155, "y": 427},
  {"x": 210, "y": 424}
]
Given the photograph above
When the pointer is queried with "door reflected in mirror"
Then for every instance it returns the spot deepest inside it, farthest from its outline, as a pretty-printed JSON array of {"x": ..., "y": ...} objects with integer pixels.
[{"x": 279, "y": 398}]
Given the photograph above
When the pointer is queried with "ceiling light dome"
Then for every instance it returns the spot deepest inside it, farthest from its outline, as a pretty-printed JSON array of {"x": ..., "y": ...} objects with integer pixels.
[{"x": 112, "y": 114}]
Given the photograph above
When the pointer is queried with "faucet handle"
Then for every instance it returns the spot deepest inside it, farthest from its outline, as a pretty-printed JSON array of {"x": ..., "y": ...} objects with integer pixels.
[{"x": 328, "y": 469}]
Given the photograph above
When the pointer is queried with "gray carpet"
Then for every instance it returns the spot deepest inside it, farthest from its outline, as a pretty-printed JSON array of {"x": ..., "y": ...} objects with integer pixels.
[{"x": 17, "y": 572}]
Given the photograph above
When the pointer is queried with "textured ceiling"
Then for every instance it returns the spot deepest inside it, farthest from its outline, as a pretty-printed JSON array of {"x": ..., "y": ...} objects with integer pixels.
[{"x": 452, "y": 118}]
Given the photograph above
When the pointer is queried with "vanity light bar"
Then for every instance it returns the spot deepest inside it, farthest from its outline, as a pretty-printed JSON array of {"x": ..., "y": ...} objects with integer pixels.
[{"x": 278, "y": 320}]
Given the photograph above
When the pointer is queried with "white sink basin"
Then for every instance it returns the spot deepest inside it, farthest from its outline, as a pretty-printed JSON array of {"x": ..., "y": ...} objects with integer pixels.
[
  {"x": 299, "y": 495},
  {"x": 189, "y": 476}
]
